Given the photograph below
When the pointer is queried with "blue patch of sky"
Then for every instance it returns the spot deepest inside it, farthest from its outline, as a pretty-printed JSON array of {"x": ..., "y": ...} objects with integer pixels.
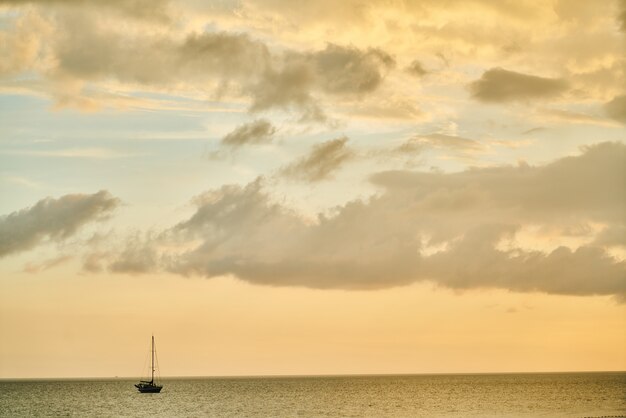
[
  {"x": 31, "y": 118},
  {"x": 7, "y": 18},
  {"x": 137, "y": 162},
  {"x": 209, "y": 104}
]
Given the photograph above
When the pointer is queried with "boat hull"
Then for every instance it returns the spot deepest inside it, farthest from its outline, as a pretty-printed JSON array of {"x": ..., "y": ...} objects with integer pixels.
[{"x": 148, "y": 388}]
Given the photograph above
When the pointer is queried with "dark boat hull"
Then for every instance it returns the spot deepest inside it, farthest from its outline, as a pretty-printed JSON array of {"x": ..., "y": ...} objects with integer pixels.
[{"x": 148, "y": 388}]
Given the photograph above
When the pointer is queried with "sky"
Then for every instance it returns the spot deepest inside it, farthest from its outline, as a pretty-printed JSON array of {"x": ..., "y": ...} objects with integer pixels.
[{"x": 322, "y": 187}]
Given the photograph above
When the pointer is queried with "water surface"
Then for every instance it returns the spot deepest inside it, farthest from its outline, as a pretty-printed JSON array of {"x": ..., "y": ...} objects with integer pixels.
[{"x": 482, "y": 395}]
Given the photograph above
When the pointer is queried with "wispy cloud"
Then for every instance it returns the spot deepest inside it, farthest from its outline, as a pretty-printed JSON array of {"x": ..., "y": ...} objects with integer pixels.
[
  {"x": 323, "y": 160},
  {"x": 256, "y": 132},
  {"x": 560, "y": 115},
  {"x": 441, "y": 141},
  {"x": 21, "y": 181},
  {"x": 47, "y": 264}
]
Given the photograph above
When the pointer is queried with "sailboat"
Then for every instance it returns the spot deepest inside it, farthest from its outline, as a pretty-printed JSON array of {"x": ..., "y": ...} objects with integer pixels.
[{"x": 145, "y": 386}]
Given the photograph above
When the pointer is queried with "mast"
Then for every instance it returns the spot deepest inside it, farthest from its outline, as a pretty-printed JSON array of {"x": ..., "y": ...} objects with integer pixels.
[{"x": 152, "y": 366}]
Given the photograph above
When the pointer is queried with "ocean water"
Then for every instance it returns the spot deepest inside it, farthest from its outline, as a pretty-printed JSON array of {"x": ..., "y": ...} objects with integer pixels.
[{"x": 482, "y": 395}]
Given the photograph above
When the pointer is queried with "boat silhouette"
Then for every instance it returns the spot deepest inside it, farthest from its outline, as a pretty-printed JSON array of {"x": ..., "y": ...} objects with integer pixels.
[{"x": 150, "y": 386}]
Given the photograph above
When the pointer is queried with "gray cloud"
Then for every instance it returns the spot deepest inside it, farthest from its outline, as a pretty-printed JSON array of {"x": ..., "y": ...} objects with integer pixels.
[
  {"x": 157, "y": 60},
  {"x": 417, "y": 69},
  {"x": 475, "y": 262},
  {"x": 85, "y": 49},
  {"x": 256, "y": 132},
  {"x": 76, "y": 42},
  {"x": 52, "y": 219},
  {"x": 612, "y": 237},
  {"x": 534, "y": 130},
  {"x": 323, "y": 160},
  {"x": 500, "y": 85},
  {"x": 443, "y": 228},
  {"x": 336, "y": 70},
  {"x": 616, "y": 108},
  {"x": 349, "y": 250},
  {"x": 347, "y": 70},
  {"x": 288, "y": 87},
  {"x": 135, "y": 258},
  {"x": 222, "y": 53},
  {"x": 586, "y": 187}
]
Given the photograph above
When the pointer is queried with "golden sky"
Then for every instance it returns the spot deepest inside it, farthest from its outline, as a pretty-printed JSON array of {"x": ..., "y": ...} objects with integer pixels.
[{"x": 318, "y": 188}]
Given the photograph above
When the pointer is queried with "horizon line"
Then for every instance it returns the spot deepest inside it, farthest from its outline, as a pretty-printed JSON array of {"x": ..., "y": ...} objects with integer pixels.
[{"x": 278, "y": 376}]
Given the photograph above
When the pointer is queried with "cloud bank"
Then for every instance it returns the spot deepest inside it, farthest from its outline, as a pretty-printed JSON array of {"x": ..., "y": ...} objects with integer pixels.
[
  {"x": 456, "y": 230},
  {"x": 500, "y": 85},
  {"x": 75, "y": 47},
  {"x": 87, "y": 53},
  {"x": 52, "y": 219}
]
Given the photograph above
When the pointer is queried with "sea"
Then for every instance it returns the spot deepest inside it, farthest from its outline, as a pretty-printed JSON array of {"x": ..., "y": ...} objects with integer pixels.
[{"x": 449, "y": 395}]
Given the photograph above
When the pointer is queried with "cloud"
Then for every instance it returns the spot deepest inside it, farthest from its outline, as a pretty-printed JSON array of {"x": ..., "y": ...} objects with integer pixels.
[
  {"x": 22, "y": 46},
  {"x": 92, "y": 262},
  {"x": 334, "y": 253},
  {"x": 348, "y": 70},
  {"x": 444, "y": 228},
  {"x": 52, "y": 219},
  {"x": 622, "y": 14},
  {"x": 417, "y": 69},
  {"x": 100, "y": 53},
  {"x": 336, "y": 71},
  {"x": 323, "y": 160},
  {"x": 46, "y": 264},
  {"x": 83, "y": 50},
  {"x": 534, "y": 130},
  {"x": 383, "y": 106},
  {"x": 99, "y": 43},
  {"x": 288, "y": 88},
  {"x": 500, "y": 85},
  {"x": 135, "y": 258},
  {"x": 475, "y": 262},
  {"x": 612, "y": 237},
  {"x": 589, "y": 187},
  {"x": 436, "y": 140},
  {"x": 573, "y": 117},
  {"x": 256, "y": 132},
  {"x": 616, "y": 108}
]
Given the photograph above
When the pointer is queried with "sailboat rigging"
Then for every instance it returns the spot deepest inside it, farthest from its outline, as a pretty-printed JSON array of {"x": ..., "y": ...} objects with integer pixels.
[{"x": 145, "y": 386}]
